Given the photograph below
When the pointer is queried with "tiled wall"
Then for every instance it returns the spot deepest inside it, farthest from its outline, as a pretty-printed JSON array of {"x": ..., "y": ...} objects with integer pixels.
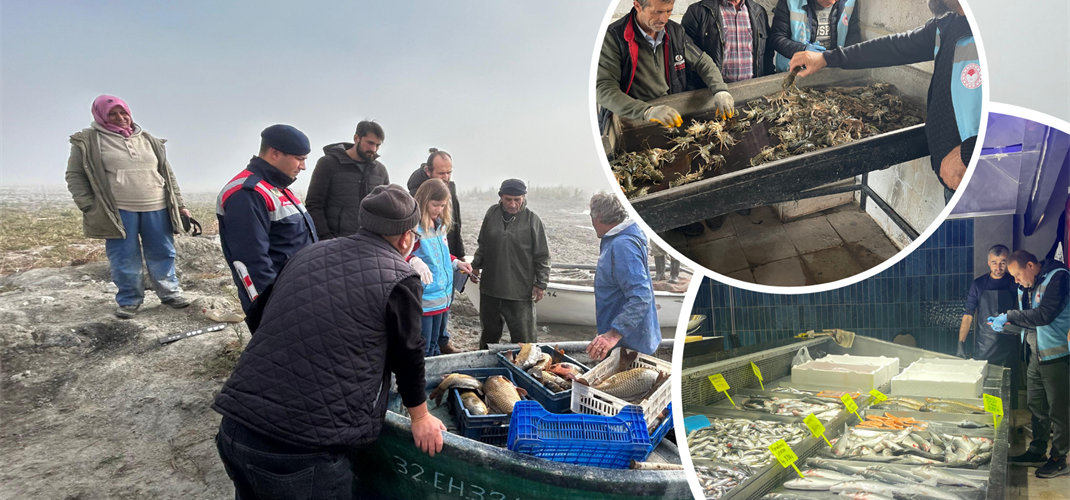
[{"x": 923, "y": 295}]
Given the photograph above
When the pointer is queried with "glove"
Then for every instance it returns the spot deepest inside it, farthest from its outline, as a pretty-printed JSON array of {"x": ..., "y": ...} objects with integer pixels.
[
  {"x": 421, "y": 268},
  {"x": 998, "y": 322},
  {"x": 962, "y": 352},
  {"x": 725, "y": 105},
  {"x": 665, "y": 115},
  {"x": 815, "y": 47}
]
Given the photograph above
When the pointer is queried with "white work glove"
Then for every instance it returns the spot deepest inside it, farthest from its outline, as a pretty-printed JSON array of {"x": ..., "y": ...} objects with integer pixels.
[
  {"x": 665, "y": 115},
  {"x": 421, "y": 268},
  {"x": 725, "y": 105}
]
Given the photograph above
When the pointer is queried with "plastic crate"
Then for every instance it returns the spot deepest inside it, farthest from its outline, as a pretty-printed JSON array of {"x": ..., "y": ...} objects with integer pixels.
[
  {"x": 659, "y": 433},
  {"x": 589, "y": 400},
  {"x": 553, "y": 402},
  {"x": 591, "y": 440},
  {"x": 490, "y": 429}
]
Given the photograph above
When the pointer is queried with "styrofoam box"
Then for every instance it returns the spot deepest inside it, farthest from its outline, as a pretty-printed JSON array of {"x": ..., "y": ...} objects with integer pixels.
[
  {"x": 940, "y": 380},
  {"x": 846, "y": 371},
  {"x": 960, "y": 365},
  {"x": 595, "y": 402}
]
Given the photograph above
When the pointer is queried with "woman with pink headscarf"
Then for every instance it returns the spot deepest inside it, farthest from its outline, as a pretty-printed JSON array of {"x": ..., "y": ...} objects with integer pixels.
[{"x": 120, "y": 179}]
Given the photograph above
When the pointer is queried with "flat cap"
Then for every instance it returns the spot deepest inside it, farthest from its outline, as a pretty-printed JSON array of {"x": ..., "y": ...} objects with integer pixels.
[
  {"x": 513, "y": 187},
  {"x": 389, "y": 210},
  {"x": 286, "y": 139}
]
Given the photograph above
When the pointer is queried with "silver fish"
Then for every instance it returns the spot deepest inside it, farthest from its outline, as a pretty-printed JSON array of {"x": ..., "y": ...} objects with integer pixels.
[
  {"x": 929, "y": 491},
  {"x": 811, "y": 483},
  {"x": 864, "y": 487},
  {"x": 942, "y": 476}
]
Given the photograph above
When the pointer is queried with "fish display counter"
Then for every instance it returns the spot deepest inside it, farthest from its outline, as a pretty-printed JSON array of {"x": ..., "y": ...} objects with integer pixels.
[{"x": 891, "y": 445}]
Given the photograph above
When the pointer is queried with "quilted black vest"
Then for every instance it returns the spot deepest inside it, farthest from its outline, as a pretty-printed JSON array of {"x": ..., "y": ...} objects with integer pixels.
[{"x": 315, "y": 373}]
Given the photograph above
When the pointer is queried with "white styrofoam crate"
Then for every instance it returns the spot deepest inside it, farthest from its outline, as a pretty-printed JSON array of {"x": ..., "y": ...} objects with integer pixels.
[
  {"x": 848, "y": 372},
  {"x": 592, "y": 401},
  {"x": 940, "y": 380},
  {"x": 961, "y": 365}
]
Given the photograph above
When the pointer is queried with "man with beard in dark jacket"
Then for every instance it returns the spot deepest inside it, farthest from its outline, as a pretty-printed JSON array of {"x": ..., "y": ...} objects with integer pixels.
[
  {"x": 342, "y": 178},
  {"x": 1043, "y": 320},
  {"x": 312, "y": 386},
  {"x": 439, "y": 165}
]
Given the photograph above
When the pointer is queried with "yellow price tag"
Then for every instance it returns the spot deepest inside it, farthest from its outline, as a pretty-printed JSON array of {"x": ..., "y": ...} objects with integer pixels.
[
  {"x": 758, "y": 373},
  {"x": 850, "y": 404},
  {"x": 721, "y": 385},
  {"x": 785, "y": 456},
  {"x": 816, "y": 428},
  {"x": 878, "y": 396},
  {"x": 994, "y": 406}
]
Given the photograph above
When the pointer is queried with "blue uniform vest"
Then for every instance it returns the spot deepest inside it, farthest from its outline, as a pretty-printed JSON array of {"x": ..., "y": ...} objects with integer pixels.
[
  {"x": 1051, "y": 338},
  {"x": 965, "y": 85},
  {"x": 800, "y": 27},
  {"x": 435, "y": 252}
]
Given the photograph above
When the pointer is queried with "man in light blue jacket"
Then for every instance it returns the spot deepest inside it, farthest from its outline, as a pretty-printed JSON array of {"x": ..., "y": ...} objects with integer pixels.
[{"x": 623, "y": 290}]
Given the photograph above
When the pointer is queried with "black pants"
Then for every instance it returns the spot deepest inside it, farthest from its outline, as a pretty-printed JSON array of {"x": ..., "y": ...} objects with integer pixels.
[
  {"x": 262, "y": 468},
  {"x": 518, "y": 314},
  {"x": 1048, "y": 387}
]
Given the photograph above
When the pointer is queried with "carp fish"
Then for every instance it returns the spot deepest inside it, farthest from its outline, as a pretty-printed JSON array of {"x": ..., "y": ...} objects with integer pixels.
[
  {"x": 471, "y": 402},
  {"x": 501, "y": 394},
  {"x": 630, "y": 384},
  {"x": 454, "y": 380},
  {"x": 528, "y": 355}
]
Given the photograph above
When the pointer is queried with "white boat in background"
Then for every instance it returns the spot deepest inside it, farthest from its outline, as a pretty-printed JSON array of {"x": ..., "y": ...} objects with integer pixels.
[{"x": 568, "y": 303}]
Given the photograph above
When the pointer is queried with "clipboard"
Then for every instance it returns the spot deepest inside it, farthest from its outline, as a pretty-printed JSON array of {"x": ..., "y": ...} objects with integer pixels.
[{"x": 459, "y": 280}]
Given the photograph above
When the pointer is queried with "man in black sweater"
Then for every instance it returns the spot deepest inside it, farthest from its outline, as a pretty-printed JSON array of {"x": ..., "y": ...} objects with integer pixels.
[{"x": 312, "y": 386}]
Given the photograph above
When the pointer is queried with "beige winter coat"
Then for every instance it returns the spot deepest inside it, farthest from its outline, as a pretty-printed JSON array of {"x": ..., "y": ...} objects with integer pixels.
[{"x": 88, "y": 183}]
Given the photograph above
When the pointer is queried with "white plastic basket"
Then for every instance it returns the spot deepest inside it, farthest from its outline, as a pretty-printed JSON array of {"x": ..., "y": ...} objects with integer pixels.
[{"x": 594, "y": 402}]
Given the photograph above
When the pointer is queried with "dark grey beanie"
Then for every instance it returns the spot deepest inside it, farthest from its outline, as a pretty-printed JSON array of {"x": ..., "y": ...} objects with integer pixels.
[{"x": 389, "y": 211}]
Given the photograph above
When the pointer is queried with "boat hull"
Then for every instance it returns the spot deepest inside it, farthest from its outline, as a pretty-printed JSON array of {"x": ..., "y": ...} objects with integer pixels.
[{"x": 574, "y": 305}]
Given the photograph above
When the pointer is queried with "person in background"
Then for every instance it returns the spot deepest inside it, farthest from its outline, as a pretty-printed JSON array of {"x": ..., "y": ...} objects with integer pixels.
[
  {"x": 1042, "y": 320},
  {"x": 659, "y": 265},
  {"x": 953, "y": 105},
  {"x": 432, "y": 260},
  {"x": 309, "y": 393},
  {"x": 623, "y": 292},
  {"x": 991, "y": 294},
  {"x": 439, "y": 165},
  {"x": 812, "y": 25},
  {"x": 120, "y": 179},
  {"x": 513, "y": 261},
  {"x": 346, "y": 173},
  {"x": 261, "y": 222}
]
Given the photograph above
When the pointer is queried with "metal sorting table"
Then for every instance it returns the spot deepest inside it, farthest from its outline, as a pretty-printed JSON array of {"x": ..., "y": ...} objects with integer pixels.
[
  {"x": 741, "y": 186},
  {"x": 699, "y": 397}
]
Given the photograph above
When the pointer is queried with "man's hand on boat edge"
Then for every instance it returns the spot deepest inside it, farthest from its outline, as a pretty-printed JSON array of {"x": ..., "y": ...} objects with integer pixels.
[{"x": 426, "y": 429}]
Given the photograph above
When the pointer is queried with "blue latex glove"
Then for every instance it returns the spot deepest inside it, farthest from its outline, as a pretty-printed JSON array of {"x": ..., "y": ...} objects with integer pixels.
[
  {"x": 815, "y": 47},
  {"x": 998, "y": 322}
]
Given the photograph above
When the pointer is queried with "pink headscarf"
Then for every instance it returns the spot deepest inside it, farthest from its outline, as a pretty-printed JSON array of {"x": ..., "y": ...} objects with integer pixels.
[{"x": 102, "y": 105}]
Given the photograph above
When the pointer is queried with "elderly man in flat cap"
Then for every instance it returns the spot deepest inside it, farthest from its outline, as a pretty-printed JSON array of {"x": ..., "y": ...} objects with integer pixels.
[
  {"x": 513, "y": 260},
  {"x": 261, "y": 222},
  {"x": 311, "y": 389}
]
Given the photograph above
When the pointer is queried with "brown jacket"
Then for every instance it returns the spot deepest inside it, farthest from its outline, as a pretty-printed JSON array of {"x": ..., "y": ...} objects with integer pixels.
[{"x": 88, "y": 184}]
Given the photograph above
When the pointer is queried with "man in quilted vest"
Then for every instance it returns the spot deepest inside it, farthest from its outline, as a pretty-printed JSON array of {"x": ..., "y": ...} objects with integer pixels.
[{"x": 312, "y": 386}]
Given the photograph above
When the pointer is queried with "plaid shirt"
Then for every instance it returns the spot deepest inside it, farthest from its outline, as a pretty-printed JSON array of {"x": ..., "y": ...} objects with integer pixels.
[{"x": 738, "y": 62}]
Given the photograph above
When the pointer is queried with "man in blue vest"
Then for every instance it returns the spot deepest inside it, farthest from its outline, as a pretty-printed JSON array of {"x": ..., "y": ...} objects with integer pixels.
[
  {"x": 1043, "y": 320},
  {"x": 813, "y": 25},
  {"x": 953, "y": 104},
  {"x": 645, "y": 56},
  {"x": 261, "y": 222}
]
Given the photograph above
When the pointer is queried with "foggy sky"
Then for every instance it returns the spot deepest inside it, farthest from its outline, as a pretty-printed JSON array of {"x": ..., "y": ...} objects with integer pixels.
[{"x": 502, "y": 86}]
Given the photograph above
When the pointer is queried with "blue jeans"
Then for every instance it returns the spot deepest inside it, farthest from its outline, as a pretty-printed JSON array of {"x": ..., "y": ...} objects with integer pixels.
[
  {"x": 432, "y": 328},
  {"x": 262, "y": 468},
  {"x": 153, "y": 231}
]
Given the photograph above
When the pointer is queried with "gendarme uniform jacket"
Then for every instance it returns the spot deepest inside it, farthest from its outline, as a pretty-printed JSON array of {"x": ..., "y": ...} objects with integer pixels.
[
  {"x": 513, "y": 254},
  {"x": 954, "y": 99},
  {"x": 88, "y": 183},
  {"x": 261, "y": 225}
]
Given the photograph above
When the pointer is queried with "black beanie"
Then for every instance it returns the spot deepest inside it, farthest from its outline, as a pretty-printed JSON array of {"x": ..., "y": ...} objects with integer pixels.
[
  {"x": 513, "y": 187},
  {"x": 389, "y": 211}
]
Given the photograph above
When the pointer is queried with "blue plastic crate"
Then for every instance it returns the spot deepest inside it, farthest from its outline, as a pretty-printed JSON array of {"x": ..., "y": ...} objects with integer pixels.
[
  {"x": 490, "y": 429},
  {"x": 553, "y": 402},
  {"x": 659, "y": 433},
  {"x": 592, "y": 440}
]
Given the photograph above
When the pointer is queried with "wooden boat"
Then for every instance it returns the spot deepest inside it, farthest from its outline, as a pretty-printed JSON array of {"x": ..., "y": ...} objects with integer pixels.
[
  {"x": 569, "y": 300},
  {"x": 394, "y": 468}
]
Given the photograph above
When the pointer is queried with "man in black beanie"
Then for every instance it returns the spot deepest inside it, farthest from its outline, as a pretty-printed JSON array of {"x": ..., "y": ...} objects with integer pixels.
[
  {"x": 312, "y": 386},
  {"x": 514, "y": 259}
]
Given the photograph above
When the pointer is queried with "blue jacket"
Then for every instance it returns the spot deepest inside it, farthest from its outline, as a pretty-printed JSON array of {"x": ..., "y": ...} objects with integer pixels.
[
  {"x": 623, "y": 290},
  {"x": 261, "y": 224},
  {"x": 434, "y": 250},
  {"x": 795, "y": 26}
]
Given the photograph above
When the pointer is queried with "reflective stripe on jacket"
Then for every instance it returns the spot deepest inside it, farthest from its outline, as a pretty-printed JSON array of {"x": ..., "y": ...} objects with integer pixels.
[
  {"x": 1051, "y": 338},
  {"x": 801, "y": 19}
]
